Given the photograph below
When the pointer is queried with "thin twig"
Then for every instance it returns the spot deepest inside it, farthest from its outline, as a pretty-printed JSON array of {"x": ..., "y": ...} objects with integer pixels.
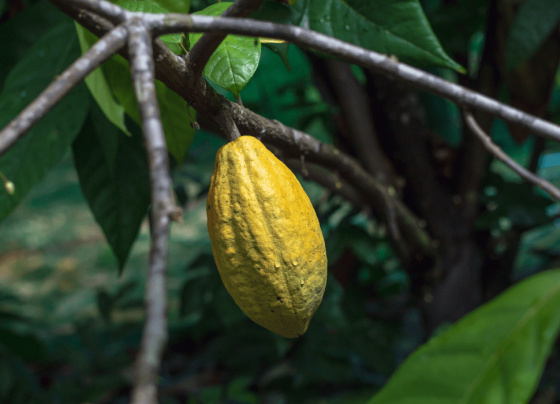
[
  {"x": 504, "y": 158},
  {"x": 155, "y": 329},
  {"x": 62, "y": 85},
  {"x": 203, "y": 49}
]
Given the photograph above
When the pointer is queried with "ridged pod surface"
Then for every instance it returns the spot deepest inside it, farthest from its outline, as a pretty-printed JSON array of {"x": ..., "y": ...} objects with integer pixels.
[{"x": 266, "y": 238}]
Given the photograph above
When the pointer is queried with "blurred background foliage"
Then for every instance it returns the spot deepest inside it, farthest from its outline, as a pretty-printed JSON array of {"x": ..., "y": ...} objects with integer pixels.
[{"x": 70, "y": 321}]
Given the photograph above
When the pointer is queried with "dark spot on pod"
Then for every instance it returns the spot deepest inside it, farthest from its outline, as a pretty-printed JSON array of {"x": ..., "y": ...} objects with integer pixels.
[
  {"x": 279, "y": 298},
  {"x": 209, "y": 207},
  {"x": 272, "y": 311}
]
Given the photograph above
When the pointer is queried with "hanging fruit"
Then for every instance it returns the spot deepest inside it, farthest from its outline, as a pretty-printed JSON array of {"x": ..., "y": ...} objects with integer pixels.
[{"x": 266, "y": 238}]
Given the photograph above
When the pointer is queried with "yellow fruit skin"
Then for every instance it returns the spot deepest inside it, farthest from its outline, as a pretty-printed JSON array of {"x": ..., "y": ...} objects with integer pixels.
[{"x": 266, "y": 238}]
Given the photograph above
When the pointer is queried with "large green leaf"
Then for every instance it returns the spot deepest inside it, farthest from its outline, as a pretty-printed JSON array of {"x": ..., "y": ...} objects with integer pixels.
[
  {"x": 392, "y": 27},
  {"x": 532, "y": 26},
  {"x": 18, "y": 34},
  {"x": 494, "y": 355},
  {"x": 45, "y": 145},
  {"x": 98, "y": 86},
  {"x": 114, "y": 177},
  {"x": 235, "y": 61}
]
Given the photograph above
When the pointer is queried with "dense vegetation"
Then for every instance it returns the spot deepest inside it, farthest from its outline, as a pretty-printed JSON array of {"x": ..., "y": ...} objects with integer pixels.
[{"x": 75, "y": 234}]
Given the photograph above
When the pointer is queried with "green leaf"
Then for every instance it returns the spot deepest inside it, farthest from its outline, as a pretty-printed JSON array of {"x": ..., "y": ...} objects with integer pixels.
[
  {"x": 98, "y": 86},
  {"x": 29, "y": 25},
  {"x": 392, "y": 27},
  {"x": 114, "y": 177},
  {"x": 532, "y": 26},
  {"x": 117, "y": 71},
  {"x": 496, "y": 354},
  {"x": 176, "y": 121},
  {"x": 235, "y": 61},
  {"x": 173, "y": 41},
  {"x": 38, "y": 151},
  {"x": 175, "y": 115}
]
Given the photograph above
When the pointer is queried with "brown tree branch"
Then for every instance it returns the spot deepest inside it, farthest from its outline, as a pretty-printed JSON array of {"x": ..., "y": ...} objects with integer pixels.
[
  {"x": 208, "y": 103},
  {"x": 62, "y": 85},
  {"x": 169, "y": 23},
  {"x": 163, "y": 208},
  {"x": 171, "y": 69},
  {"x": 497, "y": 152},
  {"x": 200, "y": 53},
  {"x": 160, "y": 24}
]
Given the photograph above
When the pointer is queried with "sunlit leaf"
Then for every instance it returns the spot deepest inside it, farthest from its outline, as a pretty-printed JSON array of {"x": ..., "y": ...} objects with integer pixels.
[
  {"x": 98, "y": 86},
  {"x": 235, "y": 61},
  {"x": 496, "y": 354}
]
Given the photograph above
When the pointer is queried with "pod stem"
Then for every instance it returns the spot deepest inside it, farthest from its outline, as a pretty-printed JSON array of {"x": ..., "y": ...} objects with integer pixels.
[{"x": 228, "y": 124}]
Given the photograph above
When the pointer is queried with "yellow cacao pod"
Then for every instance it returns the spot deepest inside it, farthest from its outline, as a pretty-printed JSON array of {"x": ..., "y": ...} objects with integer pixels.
[{"x": 266, "y": 238}]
